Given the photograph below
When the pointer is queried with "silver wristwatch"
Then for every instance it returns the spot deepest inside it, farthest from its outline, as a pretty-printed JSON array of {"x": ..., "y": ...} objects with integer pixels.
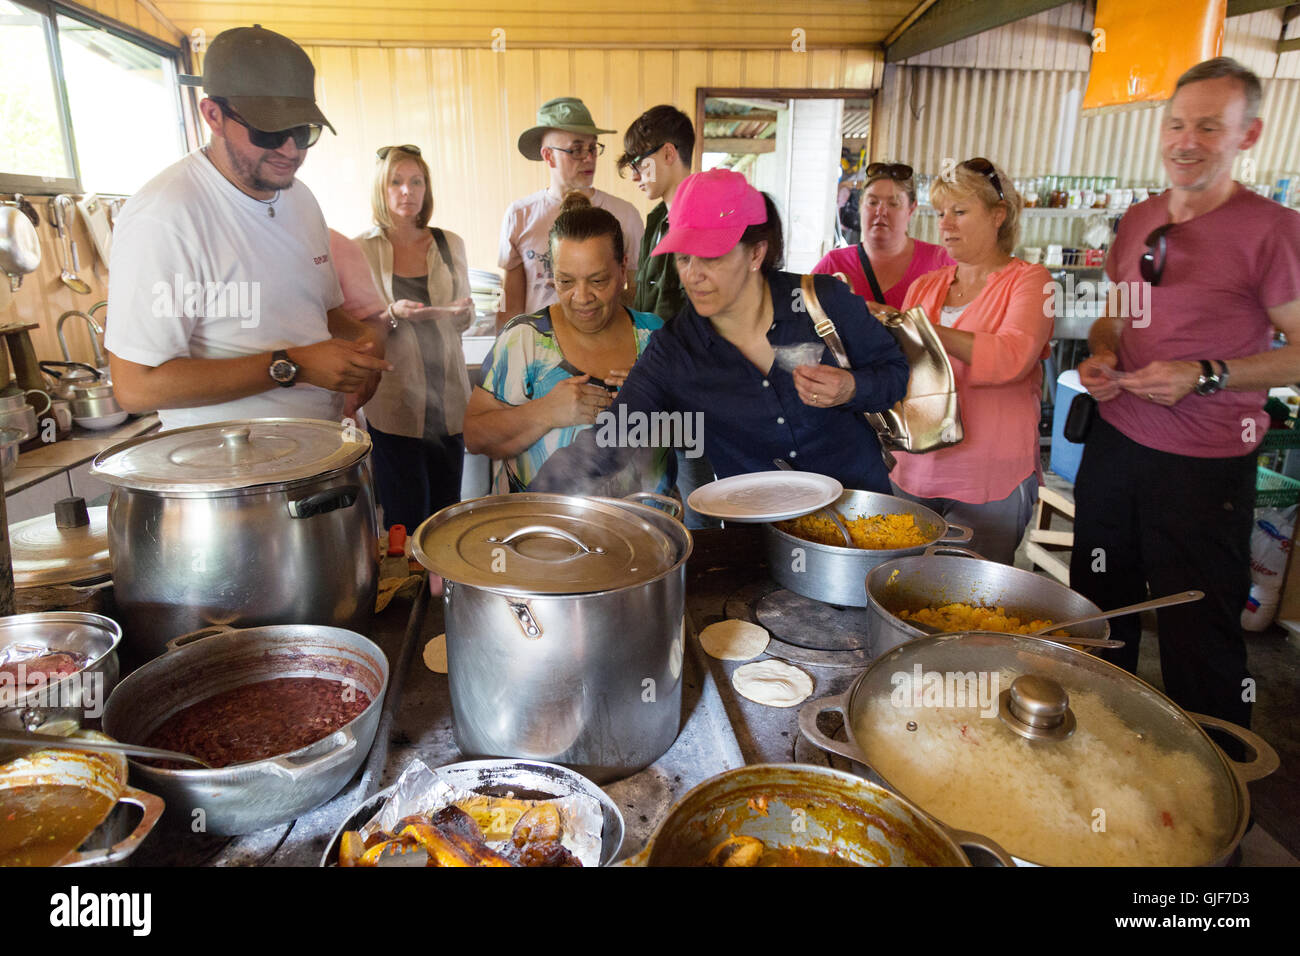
[{"x": 284, "y": 370}]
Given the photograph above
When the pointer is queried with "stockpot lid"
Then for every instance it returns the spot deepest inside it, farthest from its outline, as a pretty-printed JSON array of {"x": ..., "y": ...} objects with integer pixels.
[
  {"x": 229, "y": 456},
  {"x": 46, "y": 553},
  {"x": 1064, "y": 722},
  {"x": 532, "y": 544}
]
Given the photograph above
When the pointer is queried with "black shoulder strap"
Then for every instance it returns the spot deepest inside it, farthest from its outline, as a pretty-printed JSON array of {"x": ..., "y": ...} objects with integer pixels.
[
  {"x": 444, "y": 249},
  {"x": 871, "y": 275}
]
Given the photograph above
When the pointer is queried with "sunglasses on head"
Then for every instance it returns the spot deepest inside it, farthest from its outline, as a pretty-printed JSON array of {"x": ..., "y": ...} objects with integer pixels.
[
  {"x": 303, "y": 137},
  {"x": 383, "y": 151},
  {"x": 899, "y": 172},
  {"x": 1152, "y": 264},
  {"x": 982, "y": 166}
]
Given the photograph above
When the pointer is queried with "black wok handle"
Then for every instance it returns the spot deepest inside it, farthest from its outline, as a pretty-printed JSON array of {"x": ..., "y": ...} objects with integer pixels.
[{"x": 323, "y": 502}]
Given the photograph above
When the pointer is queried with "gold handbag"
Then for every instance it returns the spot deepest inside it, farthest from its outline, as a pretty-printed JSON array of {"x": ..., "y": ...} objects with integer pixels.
[{"x": 927, "y": 418}]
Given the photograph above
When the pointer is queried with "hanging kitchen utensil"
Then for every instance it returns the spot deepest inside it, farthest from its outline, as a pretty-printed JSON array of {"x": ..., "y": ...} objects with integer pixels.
[
  {"x": 95, "y": 211},
  {"x": 20, "y": 246},
  {"x": 59, "y": 210}
]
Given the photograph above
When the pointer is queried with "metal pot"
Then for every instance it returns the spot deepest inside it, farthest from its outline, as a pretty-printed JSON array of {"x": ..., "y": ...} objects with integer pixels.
[
  {"x": 10, "y": 439},
  {"x": 60, "y": 707},
  {"x": 252, "y": 796},
  {"x": 564, "y": 621},
  {"x": 1066, "y": 714},
  {"x": 833, "y": 573},
  {"x": 258, "y": 522},
  {"x": 935, "y": 578},
  {"x": 20, "y": 246},
  {"x": 809, "y": 808},
  {"x": 525, "y": 779},
  {"x": 100, "y": 776},
  {"x": 16, "y": 412}
]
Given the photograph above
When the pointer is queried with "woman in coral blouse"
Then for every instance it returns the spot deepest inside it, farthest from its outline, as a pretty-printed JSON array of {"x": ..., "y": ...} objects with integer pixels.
[{"x": 994, "y": 317}]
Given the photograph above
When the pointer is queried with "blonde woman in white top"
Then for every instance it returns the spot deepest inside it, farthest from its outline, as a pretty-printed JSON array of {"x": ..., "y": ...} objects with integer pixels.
[{"x": 418, "y": 411}]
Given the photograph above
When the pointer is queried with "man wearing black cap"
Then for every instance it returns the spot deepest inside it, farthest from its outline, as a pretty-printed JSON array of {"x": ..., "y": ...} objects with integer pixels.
[{"x": 224, "y": 302}]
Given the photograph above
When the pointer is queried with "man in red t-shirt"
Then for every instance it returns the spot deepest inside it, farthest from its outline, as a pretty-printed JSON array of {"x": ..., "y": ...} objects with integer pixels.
[{"x": 1203, "y": 274}]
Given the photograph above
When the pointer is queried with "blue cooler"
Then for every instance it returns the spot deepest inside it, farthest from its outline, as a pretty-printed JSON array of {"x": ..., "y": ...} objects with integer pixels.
[{"x": 1066, "y": 455}]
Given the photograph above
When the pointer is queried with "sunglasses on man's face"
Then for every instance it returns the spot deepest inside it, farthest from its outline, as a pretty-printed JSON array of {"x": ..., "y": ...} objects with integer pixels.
[
  {"x": 899, "y": 172},
  {"x": 985, "y": 168},
  {"x": 304, "y": 137},
  {"x": 383, "y": 151},
  {"x": 1152, "y": 264}
]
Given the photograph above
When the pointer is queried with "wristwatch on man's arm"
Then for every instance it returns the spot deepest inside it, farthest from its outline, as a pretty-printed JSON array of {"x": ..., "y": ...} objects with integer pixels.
[
  {"x": 1213, "y": 377},
  {"x": 284, "y": 370}
]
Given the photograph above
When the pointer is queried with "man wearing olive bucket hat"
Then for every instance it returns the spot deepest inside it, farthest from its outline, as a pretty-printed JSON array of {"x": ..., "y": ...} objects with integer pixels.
[
  {"x": 224, "y": 302},
  {"x": 565, "y": 139}
]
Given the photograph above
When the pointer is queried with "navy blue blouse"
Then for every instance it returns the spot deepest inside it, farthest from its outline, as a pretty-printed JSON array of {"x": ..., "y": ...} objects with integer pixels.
[{"x": 749, "y": 417}]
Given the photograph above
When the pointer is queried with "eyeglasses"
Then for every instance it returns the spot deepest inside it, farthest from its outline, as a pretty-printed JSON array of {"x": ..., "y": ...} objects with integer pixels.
[
  {"x": 383, "y": 151},
  {"x": 304, "y": 137},
  {"x": 582, "y": 152},
  {"x": 1152, "y": 265},
  {"x": 899, "y": 172},
  {"x": 982, "y": 166},
  {"x": 634, "y": 162}
]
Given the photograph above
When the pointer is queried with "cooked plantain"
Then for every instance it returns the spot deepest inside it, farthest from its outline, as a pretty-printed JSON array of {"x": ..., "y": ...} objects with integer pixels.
[
  {"x": 351, "y": 848},
  {"x": 736, "y": 850},
  {"x": 452, "y": 849},
  {"x": 540, "y": 824}
]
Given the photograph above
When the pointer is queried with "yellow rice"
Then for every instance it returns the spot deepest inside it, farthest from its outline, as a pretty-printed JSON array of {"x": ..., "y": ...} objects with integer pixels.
[{"x": 874, "y": 533}]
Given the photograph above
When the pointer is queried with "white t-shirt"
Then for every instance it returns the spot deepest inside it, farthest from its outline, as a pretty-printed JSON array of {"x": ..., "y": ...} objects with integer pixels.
[
  {"x": 524, "y": 238},
  {"x": 201, "y": 270}
]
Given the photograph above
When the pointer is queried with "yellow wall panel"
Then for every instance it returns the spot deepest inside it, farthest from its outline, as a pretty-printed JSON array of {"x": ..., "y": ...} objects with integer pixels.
[
  {"x": 725, "y": 68},
  {"x": 690, "y": 72},
  {"x": 657, "y": 81},
  {"x": 791, "y": 69},
  {"x": 758, "y": 68}
]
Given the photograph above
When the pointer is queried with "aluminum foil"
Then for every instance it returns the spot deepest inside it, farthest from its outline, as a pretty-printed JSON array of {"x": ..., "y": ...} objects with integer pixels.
[{"x": 420, "y": 790}]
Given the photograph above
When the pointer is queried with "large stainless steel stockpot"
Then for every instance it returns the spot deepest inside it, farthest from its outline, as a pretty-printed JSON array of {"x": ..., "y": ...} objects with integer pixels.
[
  {"x": 564, "y": 624},
  {"x": 58, "y": 707},
  {"x": 270, "y": 521},
  {"x": 948, "y": 575},
  {"x": 246, "y": 797},
  {"x": 834, "y": 573},
  {"x": 1077, "y": 760},
  {"x": 797, "y": 809}
]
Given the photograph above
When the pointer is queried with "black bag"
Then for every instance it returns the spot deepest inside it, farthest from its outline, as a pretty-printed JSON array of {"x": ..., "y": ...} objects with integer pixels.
[{"x": 1083, "y": 410}]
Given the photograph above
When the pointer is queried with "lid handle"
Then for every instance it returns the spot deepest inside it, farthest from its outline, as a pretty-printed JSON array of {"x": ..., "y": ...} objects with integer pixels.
[
  {"x": 71, "y": 513},
  {"x": 545, "y": 531},
  {"x": 235, "y": 440},
  {"x": 1037, "y": 707}
]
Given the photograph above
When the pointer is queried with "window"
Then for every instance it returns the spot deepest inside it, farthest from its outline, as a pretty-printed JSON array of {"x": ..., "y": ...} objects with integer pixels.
[{"x": 81, "y": 103}]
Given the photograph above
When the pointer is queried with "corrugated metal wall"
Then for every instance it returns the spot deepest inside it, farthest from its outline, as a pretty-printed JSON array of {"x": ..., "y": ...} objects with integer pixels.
[{"x": 466, "y": 108}]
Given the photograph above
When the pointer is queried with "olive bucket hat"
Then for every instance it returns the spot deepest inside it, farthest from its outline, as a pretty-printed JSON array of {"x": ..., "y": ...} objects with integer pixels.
[
  {"x": 567, "y": 113},
  {"x": 265, "y": 77}
]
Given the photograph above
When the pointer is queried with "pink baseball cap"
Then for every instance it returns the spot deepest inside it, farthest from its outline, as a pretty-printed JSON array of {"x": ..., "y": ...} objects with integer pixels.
[{"x": 710, "y": 213}]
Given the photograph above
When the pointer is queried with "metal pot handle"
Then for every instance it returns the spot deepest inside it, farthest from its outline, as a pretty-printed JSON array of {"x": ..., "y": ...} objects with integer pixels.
[
  {"x": 966, "y": 839},
  {"x": 1266, "y": 759},
  {"x": 282, "y": 766},
  {"x": 323, "y": 502},
  {"x": 950, "y": 549},
  {"x": 956, "y": 533},
  {"x": 210, "y": 631},
  {"x": 808, "y": 715},
  {"x": 45, "y": 395},
  {"x": 670, "y": 505},
  {"x": 153, "y": 808}
]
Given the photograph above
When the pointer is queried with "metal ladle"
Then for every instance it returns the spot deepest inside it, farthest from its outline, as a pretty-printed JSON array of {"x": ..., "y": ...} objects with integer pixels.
[
  {"x": 835, "y": 519},
  {"x": 30, "y": 741}
]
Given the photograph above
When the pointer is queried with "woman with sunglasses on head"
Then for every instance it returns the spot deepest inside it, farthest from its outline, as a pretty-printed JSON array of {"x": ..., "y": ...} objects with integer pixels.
[
  {"x": 715, "y": 363},
  {"x": 887, "y": 260},
  {"x": 993, "y": 315},
  {"x": 417, "y": 413}
]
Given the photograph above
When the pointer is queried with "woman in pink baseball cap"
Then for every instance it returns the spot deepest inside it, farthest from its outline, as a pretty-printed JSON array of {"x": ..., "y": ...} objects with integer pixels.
[{"x": 716, "y": 362}]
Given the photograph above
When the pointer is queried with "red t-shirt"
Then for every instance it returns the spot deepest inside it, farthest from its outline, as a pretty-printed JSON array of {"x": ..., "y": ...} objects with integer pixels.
[
  {"x": 1223, "y": 271},
  {"x": 926, "y": 257}
]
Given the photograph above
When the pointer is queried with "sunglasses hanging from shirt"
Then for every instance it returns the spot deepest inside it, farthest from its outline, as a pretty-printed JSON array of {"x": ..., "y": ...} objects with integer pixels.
[{"x": 927, "y": 418}]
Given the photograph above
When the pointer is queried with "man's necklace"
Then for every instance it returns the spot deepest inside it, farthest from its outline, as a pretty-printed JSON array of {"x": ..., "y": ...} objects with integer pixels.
[{"x": 268, "y": 203}]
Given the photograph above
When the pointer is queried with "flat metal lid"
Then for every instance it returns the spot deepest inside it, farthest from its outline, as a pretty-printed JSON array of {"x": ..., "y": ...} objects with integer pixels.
[
  {"x": 228, "y": 456},
  {"x": 45, "y": 554},
  {"x": 544, "y": 544}
]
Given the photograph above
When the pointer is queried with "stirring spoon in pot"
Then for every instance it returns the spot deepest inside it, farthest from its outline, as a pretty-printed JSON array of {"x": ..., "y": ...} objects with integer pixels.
[
  {"x": 835, "y": 519},
  {"x": 1182, "y": 597},
  {"x": 31, "y": 741}
]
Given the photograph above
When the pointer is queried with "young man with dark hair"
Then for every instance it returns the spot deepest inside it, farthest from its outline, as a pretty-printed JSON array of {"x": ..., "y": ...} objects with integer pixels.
[{"x": 657, "y": 153}]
